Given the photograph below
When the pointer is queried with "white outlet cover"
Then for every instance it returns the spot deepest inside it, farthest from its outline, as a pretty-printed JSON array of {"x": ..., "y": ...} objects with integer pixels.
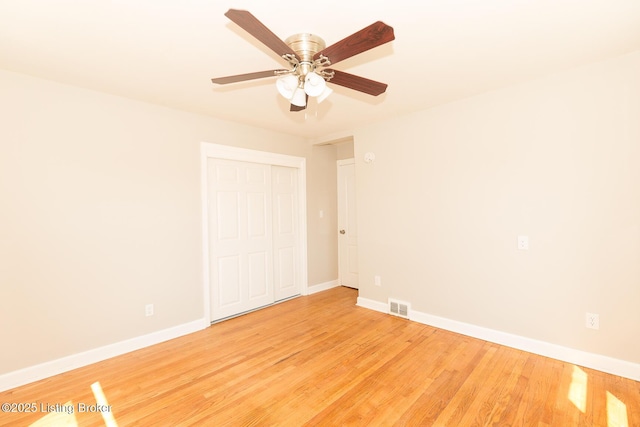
[
  {"x": 523, "y": 243},
  {"x": 592, "y": 320}
]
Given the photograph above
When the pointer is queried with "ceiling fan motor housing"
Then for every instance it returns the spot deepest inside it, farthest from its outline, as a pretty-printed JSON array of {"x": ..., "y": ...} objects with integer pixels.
[{"x": 305, "y": 45}]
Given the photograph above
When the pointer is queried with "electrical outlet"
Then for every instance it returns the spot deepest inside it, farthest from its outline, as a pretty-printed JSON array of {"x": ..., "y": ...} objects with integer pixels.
[
  {"x": 377, "y": 281},
  {"x": 523, "y": 243},
  {"x": 148, "y": 310},
  {"x": 592, "y": 320}
]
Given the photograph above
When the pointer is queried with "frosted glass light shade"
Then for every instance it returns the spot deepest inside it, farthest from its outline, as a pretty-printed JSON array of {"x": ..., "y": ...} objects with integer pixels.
[
  {"x": 287, "y": 85},
  {"x": 325, "y": 93},
  {"x": 299, "y": 98},
  {"x": 314, "y": 84}
]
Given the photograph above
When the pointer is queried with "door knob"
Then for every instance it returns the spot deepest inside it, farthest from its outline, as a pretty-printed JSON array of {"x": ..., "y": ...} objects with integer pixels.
[{"x": 342, "y": 231}]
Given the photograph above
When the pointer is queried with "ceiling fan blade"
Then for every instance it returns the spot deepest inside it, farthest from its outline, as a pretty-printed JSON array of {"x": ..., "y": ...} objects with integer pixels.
[
  {"x": 369, "y": 37},
  {"x": 296, "y": 108},
  {"x": 257, "y": 29},
  {"x": 358, "y": 83},
  {"x": 248, "y": 76}
]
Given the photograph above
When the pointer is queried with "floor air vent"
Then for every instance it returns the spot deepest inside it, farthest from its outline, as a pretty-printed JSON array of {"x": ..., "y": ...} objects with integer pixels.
[{"x": 399, "y": 308}]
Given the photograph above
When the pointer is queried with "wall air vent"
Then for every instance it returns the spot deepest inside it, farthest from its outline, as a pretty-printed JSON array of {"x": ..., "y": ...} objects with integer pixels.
[{"x": 399, "y": 308}]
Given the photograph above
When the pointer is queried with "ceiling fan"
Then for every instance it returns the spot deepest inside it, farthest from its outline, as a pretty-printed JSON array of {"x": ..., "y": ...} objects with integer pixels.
[{"x": 310, "y": 60}]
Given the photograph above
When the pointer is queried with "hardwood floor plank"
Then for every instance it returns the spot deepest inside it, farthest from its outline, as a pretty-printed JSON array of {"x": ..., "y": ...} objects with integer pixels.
[
  {"x": 634, "y": 410},
  {"x": 321, "y": 360},
  {"x": 458, "y": 407},
  {"x": 510, "y": 377},
  {"x": 399, "y": 382},
  {"x": 435, "y": 398},
  {"x": 553, "y": 374},
  {"x": 491, "y": 381},
  {"x": 532, "y": 404},
  {"x": 513, "y": 414},
  {"x": 599, "y": 397}
]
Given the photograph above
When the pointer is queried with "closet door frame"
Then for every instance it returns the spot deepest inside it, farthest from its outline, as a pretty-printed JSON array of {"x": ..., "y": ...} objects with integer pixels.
[{"x": 218, "y": 151}]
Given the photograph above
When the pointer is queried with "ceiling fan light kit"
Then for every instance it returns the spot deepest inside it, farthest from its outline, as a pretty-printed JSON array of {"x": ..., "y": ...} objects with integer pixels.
[
  {"x": 324, "y": 95},
  {"x": 299, "y": 98},
  {"x": 309, "y": 77},
  {"x": 314, "y": 85},
  {"x": 287, "y": 85},
  {"x": 309, "y": 59}
]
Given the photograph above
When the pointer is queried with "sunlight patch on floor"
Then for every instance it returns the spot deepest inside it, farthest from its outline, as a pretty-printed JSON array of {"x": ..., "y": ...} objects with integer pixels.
[
  {"x": 616, "y": 412},
  {"x": 578, "y": 389},
  {"x": 65, "y": 415},
  {"x": 62, "y": 416},
  {"x": 101, "y": 400}
]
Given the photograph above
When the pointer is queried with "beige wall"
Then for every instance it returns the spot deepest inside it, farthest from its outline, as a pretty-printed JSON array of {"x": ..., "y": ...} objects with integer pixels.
[
  {"x": 557, "y": 159},
  {"x": 100, "y": 214},
  {"x": 345, "y": 150},
  {"x": 323, "y": 243}
]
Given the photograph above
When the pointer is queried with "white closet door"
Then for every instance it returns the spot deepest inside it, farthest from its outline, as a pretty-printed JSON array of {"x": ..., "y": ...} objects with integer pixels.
[
  {"x": 240, "y": 237},
  {"x": 284, "y": 184}
]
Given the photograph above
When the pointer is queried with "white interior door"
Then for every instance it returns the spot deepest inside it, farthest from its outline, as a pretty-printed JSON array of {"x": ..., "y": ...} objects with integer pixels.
[
  {"x": 284, "y": 185},
  {"x": 241, "y": 261},
  {"x": 347, "y": 227}
]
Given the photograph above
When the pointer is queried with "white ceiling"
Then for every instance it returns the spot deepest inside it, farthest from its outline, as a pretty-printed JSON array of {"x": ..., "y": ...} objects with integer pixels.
[{"x": 165, "y": 52}]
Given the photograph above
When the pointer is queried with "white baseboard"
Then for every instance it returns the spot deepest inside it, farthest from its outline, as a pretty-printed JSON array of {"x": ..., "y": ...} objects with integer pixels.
[
  {"x": 44, "y": 370},
  {"x": 598, "y": 362},
  {"x": 322, "y": 286},
  {"x": 372, "y": 305}
]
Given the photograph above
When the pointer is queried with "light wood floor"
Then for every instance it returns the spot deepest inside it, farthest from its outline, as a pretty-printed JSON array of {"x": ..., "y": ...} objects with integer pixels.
[{"x": 322, "y": 361}]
